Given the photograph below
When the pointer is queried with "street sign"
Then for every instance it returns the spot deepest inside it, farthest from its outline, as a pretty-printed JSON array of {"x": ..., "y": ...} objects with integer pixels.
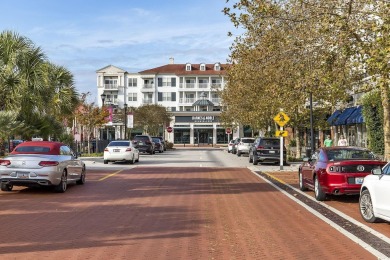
[
  {"x": 281, "y": 133},
  {"x": 281, "y": 119},
  {"x": 228, "y": 131},
  {"x": 169, "y": 129}
]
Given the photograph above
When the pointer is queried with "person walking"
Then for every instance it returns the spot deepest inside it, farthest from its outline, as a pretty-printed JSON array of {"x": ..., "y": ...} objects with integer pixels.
[
  {"x": 328, "y": 142},
  {"x": 342, "y": 141}
]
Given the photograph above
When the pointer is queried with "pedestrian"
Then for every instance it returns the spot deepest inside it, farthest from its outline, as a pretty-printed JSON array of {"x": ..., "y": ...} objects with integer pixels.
[
  {"x": 328, "y": 142},
  {"x": 342, "y": 141}
]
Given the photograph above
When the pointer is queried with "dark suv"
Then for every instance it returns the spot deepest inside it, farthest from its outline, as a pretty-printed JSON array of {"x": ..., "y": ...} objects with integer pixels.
[
  {"x": 266, "y": 149},
  {"x": 162, "y": 141},
  {"x": 144, "y": 144}
]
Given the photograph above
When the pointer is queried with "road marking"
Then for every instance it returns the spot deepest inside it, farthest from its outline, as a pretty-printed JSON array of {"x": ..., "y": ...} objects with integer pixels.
[{"x": 110, "y": 175}]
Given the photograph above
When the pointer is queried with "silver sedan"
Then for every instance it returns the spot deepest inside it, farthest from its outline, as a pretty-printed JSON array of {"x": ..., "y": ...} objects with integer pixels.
[{"x": 41, "y": 163}]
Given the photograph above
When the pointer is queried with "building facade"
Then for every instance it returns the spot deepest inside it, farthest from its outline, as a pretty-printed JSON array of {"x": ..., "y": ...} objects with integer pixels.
[{"x": 188, "y": 91}]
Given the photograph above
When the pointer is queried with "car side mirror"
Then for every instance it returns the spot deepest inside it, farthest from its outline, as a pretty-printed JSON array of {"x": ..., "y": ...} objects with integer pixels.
[{"x": 377, "y": 171}]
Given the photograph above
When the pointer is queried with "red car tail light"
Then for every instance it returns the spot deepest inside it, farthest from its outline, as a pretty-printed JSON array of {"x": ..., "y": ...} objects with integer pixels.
[
  {"x": 106, "y": 149},
  {"x": 128, "y": 150},
  {"x": 5, "y": 162},
  {"x": 260, "y": 147},
  {"x": 48, "y": 163}
]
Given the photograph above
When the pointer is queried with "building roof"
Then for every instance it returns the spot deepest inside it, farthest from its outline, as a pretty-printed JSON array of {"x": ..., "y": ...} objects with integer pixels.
[
  {"x": 203, "y": 102},
  {"x": 180, "y": 69}
]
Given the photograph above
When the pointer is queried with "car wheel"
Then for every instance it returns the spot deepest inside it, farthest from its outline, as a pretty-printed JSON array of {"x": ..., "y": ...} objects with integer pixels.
[
  {"x": 6, "y": 187},
  {"x": 61, "y": 187},
  {"x": 319, "y": 193},
  {"x": 137, "y": 160},
  {"x": 301, "y": 184},
  {"x": 250, "y": 158},
  {"x": 255, "y": 160},
  {"x": 228, "y": 151},
  {"x": 366, "y": 207},
  {"x": 81, "y": 181},
  {"x": 105, "y": 161},
  {"x": 238, "y": 153}
]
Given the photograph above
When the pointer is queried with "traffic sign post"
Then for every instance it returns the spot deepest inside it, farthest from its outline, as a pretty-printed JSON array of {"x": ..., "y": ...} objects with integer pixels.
[
  {"x": 169, "y": 129},
  {"x": 281, "y": 119},
  {"x": 228, "y": 132}
]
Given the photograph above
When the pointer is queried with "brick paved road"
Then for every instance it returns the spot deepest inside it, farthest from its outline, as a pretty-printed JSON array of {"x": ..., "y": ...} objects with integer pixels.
[{"x": 166, "y": 213}]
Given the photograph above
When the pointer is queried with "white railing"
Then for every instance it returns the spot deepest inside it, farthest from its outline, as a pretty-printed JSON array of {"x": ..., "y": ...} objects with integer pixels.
[
  {"x": 110, "y": 86},
  {"x": 147, "y": 101},
  {"x": 148, "y": 86},
  {"x": 187, "y": 100}
]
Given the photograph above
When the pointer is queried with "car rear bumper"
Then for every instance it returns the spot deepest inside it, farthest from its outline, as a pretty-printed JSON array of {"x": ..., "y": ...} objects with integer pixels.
[
  {"x": 28, "y": 182},
  {"x": 118, "y": 157}
]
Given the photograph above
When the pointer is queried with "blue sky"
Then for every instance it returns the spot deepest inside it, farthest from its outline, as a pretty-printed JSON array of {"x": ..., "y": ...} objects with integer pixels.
[{"x": 87, "y": 35}]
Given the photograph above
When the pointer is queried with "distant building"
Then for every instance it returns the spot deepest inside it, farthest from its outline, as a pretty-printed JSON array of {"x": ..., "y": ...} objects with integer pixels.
[{"x": 188, "y": 91}]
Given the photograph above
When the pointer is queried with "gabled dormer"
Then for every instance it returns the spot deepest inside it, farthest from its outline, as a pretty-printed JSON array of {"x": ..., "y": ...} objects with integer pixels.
[
  {"x": 202, "y": 67},
  {"x": 188, "y": 66},
  {"x": 217, "y": 66}
]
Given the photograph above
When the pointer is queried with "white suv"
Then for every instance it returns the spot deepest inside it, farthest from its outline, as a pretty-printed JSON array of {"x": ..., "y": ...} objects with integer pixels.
[{"x": 244, "y": 144}]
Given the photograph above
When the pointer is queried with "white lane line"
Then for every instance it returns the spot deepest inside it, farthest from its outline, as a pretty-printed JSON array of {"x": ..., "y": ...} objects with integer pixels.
[{"x": 357, "y": 240}]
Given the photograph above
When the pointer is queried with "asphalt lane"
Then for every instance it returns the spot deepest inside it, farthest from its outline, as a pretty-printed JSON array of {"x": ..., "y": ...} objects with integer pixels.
[{"x": 182, "y": 204}]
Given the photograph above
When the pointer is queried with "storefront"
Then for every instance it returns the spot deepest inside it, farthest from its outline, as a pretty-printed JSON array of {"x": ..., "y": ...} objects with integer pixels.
[{"x": 197, "y": 128}]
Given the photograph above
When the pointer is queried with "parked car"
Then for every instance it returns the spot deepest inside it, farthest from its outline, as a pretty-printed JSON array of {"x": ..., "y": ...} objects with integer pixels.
[
  {"x": 144, "y": 143},
  {"x": 374, "y": 195},
  {"x": 41, "y": 163},
  {"x": 266, "y": 150},
  {"x": 162, "y": 141},
  {"x": 230, "y": 146},
  {"x": 337, "y": 170},
  {"x": 121, "y": 150},
  {"x": 158, "y": 146},
  {"x": 235, "y": 143},
  {"x": 244, "y": 145}
]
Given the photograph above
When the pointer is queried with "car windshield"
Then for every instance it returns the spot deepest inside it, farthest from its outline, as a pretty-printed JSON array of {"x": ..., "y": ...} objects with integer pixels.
[
  {"x": 247, "y": 140},
  {"x": 32, "y": 149},
  {"x": 157, "y": 140},
  {"x": 122, "y": 143},
  {"x": 349, "y": 154}
]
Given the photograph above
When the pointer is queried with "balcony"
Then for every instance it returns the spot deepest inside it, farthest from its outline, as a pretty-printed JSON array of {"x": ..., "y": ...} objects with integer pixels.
[
  {"x": 111, "y": 87},
  {"x": 187, "y": 100},
  {"x": 216, "y": 101},
  {"x": 216, "y": 85},
  {"x": 147, "y": 88},
  {"x": 147, "y": 101},
  {"x": 203, "y": 85},
  {"x": 187, "y": 85}
]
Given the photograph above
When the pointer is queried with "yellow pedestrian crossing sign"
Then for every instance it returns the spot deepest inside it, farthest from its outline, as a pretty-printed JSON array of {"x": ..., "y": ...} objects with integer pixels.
[
  {"x": 281, "y": 119},
  {"x": 281, "y": 133}
]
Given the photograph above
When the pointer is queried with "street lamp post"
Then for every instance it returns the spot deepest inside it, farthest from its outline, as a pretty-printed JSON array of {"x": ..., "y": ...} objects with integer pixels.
[
  {"x": 125, "y": 105},
  {"x": 103, "y": 97},
  {"x": 312, "y": 147}
]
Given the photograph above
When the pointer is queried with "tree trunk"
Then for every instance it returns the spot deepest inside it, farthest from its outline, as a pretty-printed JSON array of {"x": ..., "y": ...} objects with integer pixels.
[
  {"x": 298, "y": 142},
  {"x": 386, "y": 121}
]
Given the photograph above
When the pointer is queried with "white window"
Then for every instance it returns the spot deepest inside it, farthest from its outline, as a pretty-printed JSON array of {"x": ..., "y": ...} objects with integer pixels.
[
  {"x": 166, "y": 82},
  {"x": 203, "y": 67},
  {"x": 188, "y": 67},
  {"x": 132, "y": 97},
  {"x": 132, "y": 82},
  {"x": 217, "y": 66},
  {"x": 166, "y": 96}
]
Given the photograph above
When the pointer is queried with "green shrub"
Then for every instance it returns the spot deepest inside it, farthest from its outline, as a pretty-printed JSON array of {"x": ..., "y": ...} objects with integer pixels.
[{"x": 169, "y": 145}]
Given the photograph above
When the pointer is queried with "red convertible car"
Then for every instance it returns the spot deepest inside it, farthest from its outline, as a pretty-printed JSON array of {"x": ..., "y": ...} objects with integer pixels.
[{"x": 337, "y": 170}]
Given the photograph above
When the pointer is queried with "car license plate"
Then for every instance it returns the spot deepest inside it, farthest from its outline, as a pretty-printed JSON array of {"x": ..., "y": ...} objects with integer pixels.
[
  {"x": 23, "y": 175},
  {"x": 117, "y": 150},
  {"x": 359, "y": 180},
  {"x": 271, "y": 151}
]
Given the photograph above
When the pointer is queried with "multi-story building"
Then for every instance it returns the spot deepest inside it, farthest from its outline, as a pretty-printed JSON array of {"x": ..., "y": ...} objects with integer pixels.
[{"x": 188, "y": 91}]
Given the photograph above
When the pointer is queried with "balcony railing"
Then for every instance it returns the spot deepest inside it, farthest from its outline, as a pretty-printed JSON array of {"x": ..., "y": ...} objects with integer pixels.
[
  {"x": 203, "y": 85},
  {"x": 148, "y": 85},
  {"x": 147, "y": 101},
  {"x": 187, "y": 100},
  {"x": 111, "y": 86},
  {"x": 216, "y": 100}
]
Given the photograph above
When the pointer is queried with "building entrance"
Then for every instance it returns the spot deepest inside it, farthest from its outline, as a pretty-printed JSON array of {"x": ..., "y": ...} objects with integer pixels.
[{"x": 203, "y": 136}]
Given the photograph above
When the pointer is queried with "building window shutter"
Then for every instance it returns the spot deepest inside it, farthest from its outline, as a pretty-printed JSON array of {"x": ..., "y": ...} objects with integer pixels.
[
  {"x": 173, "y": 96},
  {"x": 159, "y": 82},
  {"x": 159, "y": 96},
  {"x": 173, "y": 82}
]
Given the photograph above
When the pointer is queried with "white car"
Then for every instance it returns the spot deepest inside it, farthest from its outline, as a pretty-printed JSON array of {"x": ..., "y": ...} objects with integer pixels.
[
  {"x": 244, "y": 145},
  {"x": 374, "y": 200},
  {"x": 121, "y": 150},
  {"x": 230, "y": 146}
]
